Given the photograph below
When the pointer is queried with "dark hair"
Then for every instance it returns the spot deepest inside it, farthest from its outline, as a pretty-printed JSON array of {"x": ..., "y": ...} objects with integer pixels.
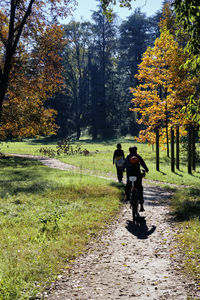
[
  {"x": 119, "y": 145},
  {"x": 133, "y": 149}
]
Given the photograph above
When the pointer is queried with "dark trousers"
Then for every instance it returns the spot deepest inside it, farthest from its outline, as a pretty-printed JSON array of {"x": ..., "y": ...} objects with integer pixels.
[
  {"x": 119, "y": 173},
  {"x": 138, "y": 185}
]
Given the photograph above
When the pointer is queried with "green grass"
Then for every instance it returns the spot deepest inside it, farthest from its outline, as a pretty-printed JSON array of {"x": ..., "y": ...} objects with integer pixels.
[
  {"x": 99, "y": 161},
  {"x": 186, "y": 210},
  {"x": 40, "y": 209},
  {"x": 47, "y": 217}
]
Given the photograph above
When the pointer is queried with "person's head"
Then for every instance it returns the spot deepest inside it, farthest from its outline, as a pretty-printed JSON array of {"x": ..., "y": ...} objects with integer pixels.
[
  {"x": 119, "y": 146},
  {"x": 133, "y": 150}
]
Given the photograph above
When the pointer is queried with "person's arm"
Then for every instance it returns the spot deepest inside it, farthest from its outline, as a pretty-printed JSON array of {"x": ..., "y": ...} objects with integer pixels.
[
  {"x": 125, "y": 164},
  {"x": 143, "y": 164},
  {"x": 113, "y": 157}
]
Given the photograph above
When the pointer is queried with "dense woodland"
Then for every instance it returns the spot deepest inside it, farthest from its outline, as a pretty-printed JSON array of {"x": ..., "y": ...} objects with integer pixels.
[
  {"x": 105, "y": 78},
  {"x": 100, "y": 61}
]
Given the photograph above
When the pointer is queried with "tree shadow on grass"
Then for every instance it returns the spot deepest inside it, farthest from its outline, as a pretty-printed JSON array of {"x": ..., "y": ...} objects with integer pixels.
[
  {"x": 14, "y": 162},
  {"x": 162, "y": 173},
  {"x": 121, "y": 187},
  {"x": 180, "y": 175},
  {"x": 20, "y": 176},
  {"x": 44, "y": 141},
  {"x": 140, "y": 228},
  {"x": 187, "y": 210},
  {"x": 187, "y": 206}
]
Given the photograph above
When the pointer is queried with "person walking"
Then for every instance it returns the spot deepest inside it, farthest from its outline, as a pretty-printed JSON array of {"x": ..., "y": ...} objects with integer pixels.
[{"x": 118, "y": 160}]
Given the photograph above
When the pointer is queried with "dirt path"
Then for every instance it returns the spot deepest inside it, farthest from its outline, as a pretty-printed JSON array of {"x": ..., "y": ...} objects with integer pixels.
[
  {"x": 128, "y": 261},
  {"x": 49, "y": 162},
  {"x": 57, "y": 164}
]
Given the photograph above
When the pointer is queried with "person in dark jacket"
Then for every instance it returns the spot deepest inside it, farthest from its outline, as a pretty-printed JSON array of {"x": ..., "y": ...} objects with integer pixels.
[
  {"x": 132, "y": 165},
  {"x": 118, "y": 160}
]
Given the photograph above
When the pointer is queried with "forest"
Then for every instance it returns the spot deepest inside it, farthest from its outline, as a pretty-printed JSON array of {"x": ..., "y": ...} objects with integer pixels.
[
  {"x": 100, "y": 61},
  {"x": 69, "y": 92},
  {"x": 102, "y": 79}
]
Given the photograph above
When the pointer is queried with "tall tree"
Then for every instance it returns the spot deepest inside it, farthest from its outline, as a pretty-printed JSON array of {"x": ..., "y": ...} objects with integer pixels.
[
  {"x": 76, "y": 69},
  {"x": 22, "y": 24},
  {"x": 133, "y": 42},
  {"x": 164, "y": 89},
  {"x": 188, "y": 15},
  {"x": 33, "y": 78},
  {"x": 102, "y": 50},
  {"x": 136, "y": 34}
]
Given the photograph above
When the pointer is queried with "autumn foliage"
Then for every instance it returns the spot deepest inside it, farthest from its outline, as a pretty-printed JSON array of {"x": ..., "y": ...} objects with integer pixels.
[
  {"x": 163, "y": 90},
  {"x": 31, "y": 42}
]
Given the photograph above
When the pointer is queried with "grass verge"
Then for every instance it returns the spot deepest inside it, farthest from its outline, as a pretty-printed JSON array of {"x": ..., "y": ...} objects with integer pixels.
[
  {"x": 47, "y": 217},
  {"x": 186, "y": 211}
]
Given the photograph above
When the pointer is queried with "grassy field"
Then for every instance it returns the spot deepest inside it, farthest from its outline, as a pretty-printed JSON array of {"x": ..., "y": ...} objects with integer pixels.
[
  {"x": 47, "y": 217},
  {"x": 40, "y": 209},
  {"x": 99, "y": 159}
]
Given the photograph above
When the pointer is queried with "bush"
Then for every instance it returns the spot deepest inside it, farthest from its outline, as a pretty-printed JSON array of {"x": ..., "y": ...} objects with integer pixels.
[{"x": 64, "y": 146}]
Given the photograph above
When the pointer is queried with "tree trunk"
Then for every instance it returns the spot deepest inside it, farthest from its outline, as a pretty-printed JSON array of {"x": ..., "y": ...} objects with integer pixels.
[
  {"x": 103, "y": 73},
  {"x": 157, "y": 149},
  {"x": 172, "y": 149},
  {"x": 167, "y": 133},
  {"x": 14, "y": 34},
  {"x": 177, "y": 148},
  {"x": 193, "y": 147},
  {"x": 189, "y": 150},
  {"x": 3, "y": 87}
]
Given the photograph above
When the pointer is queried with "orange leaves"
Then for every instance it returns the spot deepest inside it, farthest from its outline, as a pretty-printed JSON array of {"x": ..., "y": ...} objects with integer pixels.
[
  {"x": 35, "y": 77},
  {"x": 163, "y": 90},
  {"x": 26, "y": 118},
  {"x": 31, "y": 43}
]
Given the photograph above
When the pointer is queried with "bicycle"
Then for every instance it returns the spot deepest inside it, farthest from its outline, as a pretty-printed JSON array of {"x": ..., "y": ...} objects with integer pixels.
[{"x": 135, "y": 196}]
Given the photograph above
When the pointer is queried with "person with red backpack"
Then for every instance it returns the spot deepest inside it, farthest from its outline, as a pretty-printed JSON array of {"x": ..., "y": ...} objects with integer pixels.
[{"x": 132, "y": 165}]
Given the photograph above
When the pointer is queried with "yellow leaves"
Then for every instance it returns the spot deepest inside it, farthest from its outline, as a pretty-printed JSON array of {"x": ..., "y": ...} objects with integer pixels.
[
  {"x": 163, "y": 90},
  {"x": 36, "y": 72},
  {"x": 26, "y": 117}
]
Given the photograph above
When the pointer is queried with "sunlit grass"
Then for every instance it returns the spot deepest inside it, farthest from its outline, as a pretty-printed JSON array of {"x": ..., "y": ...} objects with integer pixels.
[
  {"x": 47, "y": 217},
  {"x": 42, "y": 208},
  {"x": 186, "y": 210},
  {"x": 99, "y": 160}
]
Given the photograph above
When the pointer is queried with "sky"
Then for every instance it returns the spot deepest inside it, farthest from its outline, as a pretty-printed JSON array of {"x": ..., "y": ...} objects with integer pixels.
[{"x": 83, "y": 11}]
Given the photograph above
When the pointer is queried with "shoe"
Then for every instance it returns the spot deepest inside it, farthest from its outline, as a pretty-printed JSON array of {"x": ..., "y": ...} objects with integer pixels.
[
  {"x": 142, "y": 208},
  {"x": 126, "y": 199}
]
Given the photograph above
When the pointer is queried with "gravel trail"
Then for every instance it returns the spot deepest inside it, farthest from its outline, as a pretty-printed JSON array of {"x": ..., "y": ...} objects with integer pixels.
[{"x": 128, "y": 261}]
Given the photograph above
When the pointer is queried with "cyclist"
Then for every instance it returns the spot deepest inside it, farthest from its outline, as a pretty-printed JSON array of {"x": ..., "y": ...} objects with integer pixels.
[
  {"x": 118, "y": 160},
  {"x": 132, "y": 165}
]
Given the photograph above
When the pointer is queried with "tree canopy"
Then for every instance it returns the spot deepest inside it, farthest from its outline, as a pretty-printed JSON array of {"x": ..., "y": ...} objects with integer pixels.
[
  {"x": 30, "y": 42},
  {"x": 163, "y": 90},
  {"x": 188, "y": 15}
]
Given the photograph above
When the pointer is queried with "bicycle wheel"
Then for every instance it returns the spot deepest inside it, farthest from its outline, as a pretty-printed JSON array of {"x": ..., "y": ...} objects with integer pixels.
[{"x": 134, "y": 204}]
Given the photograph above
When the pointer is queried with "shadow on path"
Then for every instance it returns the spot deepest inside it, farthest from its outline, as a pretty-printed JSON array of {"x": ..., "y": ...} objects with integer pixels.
[
  {"x": 156, "y": 196},
  {"x": 140, "y": 229}
]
